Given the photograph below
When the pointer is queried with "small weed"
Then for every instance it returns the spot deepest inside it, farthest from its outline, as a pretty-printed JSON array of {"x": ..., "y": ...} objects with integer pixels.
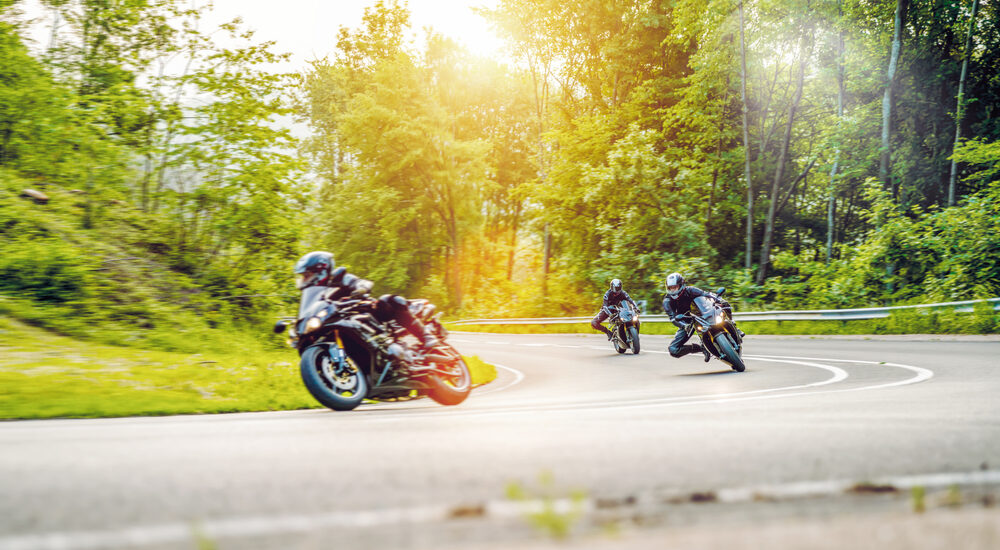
[
  {"x": 954, "y": 497},
  {"x": 202, "y": 540},
  {"x": 918, "y": 495},
  {"x": 546, "y": 512}
]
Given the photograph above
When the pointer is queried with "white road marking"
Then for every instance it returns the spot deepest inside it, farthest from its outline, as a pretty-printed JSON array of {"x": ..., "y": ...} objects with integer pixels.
[
  {"x": 838, "y": 375},
  {"x": 518, "y": 378},
  {"x": 284, "y": 524}
]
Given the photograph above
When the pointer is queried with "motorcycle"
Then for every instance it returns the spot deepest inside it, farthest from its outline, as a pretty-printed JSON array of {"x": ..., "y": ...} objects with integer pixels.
[
  {"x": 347, "y": 355},
  {"x": 717, "y": 330},
  {"x": 624, "y": 323}
]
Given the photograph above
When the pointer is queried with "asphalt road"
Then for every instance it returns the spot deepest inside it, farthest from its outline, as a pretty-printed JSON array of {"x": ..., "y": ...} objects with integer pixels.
[{"x": 820, "y": 441}]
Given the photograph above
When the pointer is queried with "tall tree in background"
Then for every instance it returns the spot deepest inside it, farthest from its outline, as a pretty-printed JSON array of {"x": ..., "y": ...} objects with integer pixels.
[
  {"x": 899, "y": 20},
  {"x": 960, "y": 101},
  {"x": 776, "y": 200},
  {"x": 832, "y": 192},
  {"x": 748, "y": 262}
]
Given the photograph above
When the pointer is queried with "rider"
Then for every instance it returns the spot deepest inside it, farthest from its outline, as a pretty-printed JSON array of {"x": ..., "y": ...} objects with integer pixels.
[
  {"x": 677, "y": 304},
  {"x": 317, "y": 269},
  {"x": 612, "y": 298}
]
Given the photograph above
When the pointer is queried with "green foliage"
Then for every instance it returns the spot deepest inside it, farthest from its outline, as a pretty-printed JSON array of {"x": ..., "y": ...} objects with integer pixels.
[
  {"x": 44, "y": 270},
  {"x": 612, "y": 148}
]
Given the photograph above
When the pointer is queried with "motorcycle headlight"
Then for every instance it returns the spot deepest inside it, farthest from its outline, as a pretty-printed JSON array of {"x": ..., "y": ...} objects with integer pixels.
[
  {"x": 313, "y": 324},
  {"x": 719, "y": 319},
  {"x": 700, "y": 328}
]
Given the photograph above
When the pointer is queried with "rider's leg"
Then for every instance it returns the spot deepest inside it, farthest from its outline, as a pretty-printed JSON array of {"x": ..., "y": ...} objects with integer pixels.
[
  {"x": 397, "y": 308},
  {"x": 596, "y": 323},
  {"x": 678, "y": 349}
]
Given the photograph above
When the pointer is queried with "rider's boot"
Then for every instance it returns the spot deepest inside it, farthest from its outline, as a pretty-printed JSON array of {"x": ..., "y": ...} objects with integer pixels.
[
  {"x": 708, "y": 356},
  {"x": 426, "y": 336},
  {"x": 607, "y": 332}
]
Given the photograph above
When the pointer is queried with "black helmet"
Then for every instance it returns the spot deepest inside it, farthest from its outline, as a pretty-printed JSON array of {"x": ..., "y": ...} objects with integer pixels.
[
  {"x": 313, "y": 269},
  {"x": 616, "y": 285},
  {"x": 674, "y": 284}
]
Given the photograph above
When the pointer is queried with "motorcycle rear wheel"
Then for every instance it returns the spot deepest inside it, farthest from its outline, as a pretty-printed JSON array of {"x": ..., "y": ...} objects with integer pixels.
[
  {"x": 729, "y": 353},
  {"x": 340, "y": 391},
  {"x": 451, "y": 390}
]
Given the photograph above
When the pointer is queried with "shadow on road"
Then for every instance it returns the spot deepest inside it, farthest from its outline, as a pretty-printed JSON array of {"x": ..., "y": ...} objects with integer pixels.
[{"x": 713, "y": 373}]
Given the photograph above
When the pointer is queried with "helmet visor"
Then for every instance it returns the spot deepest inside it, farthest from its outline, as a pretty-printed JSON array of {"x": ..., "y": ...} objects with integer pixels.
[
  {"x": 673, "y": 289},
  {"x": 303, "y": 280}
]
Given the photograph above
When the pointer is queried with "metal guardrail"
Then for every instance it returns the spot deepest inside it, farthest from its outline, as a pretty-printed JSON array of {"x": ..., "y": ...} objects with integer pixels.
[{"x": 966, "y": 306}]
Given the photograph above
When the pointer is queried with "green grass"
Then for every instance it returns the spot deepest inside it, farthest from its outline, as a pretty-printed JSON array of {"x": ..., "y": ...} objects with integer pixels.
[
  {"x": 982, "y": 321},
  {"x": 45, "y": 375}
]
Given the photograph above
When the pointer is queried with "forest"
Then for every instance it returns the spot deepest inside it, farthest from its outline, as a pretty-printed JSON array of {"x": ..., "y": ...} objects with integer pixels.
[{"x": 802, "y": 153}]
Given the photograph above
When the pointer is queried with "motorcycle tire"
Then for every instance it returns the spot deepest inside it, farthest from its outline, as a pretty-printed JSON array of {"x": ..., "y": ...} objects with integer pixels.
[
  {"x": 339, "y": 392},
  {"x": 634, "y": 336},
  {"x": 619, "y": 341},
  {"x": 729, "y": 354},
  {"x": 451, "y": 390}
]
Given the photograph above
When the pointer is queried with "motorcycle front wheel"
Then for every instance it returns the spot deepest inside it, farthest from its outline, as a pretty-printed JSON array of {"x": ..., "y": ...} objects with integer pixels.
[
  {"x": 451, "y": 388},
  {"x": 633, "y": 334},
  {"x": 729, "y": 353},
  {"x": 341, "y": 387}
]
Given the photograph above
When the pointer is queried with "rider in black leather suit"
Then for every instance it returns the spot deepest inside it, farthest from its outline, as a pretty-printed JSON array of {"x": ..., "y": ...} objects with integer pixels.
[
  {"x": 612, "y": 298},
  {"x": 677, "y": 304},
  {"x": 316, "y": 269}
]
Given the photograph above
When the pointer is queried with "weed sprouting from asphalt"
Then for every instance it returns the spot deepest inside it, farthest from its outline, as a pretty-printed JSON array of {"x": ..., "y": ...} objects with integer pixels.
[
  {"x": 201, "y": 539},
  {"x": 548, "y": 512},
  {"x": 918, "y": 495}
]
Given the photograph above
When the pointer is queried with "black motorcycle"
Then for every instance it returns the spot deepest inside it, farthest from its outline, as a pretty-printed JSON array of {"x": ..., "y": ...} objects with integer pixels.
[
  {"x": 624, "y": 323},
  {"x": 717, "y": 330},
  {"x": 347, "y": 355}
]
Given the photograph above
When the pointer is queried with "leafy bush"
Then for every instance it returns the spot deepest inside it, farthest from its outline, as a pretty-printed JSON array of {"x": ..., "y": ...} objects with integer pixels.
[{"x": 44, "y": 270}]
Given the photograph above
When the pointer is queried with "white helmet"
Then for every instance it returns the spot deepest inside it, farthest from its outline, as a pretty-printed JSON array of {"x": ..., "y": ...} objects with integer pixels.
[{"x": 674, "y": 284}]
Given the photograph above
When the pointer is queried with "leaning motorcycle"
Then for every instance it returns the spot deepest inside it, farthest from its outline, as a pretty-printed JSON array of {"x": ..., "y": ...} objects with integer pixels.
[
  {"x": 624, "y": 323},
  {"x": 717, "y": 330},
  {"x": 347, "y": 355}
]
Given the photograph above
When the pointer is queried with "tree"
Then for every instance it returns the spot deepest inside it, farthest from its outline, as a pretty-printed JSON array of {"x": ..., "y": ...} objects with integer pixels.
[
  {"x": 897, "y": 41},
  {"x": 748, "y": 262},
  {"x": 960, "y": 107}
]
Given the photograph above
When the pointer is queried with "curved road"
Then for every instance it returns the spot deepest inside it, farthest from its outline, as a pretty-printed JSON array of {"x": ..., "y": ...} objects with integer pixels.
[{"x": 646, "y": 446}]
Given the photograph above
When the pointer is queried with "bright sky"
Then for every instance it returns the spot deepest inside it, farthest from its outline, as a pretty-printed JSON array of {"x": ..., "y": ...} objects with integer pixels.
[{"x": 308, "y": 28}]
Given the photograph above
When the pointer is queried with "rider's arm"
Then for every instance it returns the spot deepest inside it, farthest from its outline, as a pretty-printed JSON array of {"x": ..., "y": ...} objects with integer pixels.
[
  {"x": 675, "y": 317},
  {"x": 630, "y": 300},
  {"x": 345, "y": 285},
  {"x": 697, "y": 292}
]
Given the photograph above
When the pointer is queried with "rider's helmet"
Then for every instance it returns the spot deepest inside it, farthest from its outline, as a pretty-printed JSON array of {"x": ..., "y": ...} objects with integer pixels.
[
  {"x": 313, "y": 269},
  {"x": 616, "y": 285},
  {"x": 674, "y": 284}
]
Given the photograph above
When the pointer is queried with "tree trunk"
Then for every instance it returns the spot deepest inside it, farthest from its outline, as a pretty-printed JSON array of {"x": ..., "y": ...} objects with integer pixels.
[
  {"x": 779, "y": 173},
  {"x": 884, "y": 168},
  {"x": 547, "y": 243},
  {"x": 960, "y": 107},
  {"x": 746, "y": 144},
  {"x": 832, "y": 195}
]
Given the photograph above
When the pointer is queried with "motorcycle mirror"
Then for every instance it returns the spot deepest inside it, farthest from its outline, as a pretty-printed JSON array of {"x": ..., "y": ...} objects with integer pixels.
[
  {"x": 721, "y": 291},
  {"x": 279, "y": 327}
]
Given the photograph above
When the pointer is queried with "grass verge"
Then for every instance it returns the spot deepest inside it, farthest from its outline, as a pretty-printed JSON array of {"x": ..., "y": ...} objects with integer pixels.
[{"x": 45, "y": 375}]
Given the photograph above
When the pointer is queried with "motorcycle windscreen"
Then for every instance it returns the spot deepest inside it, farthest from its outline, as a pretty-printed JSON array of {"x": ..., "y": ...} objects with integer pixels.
[
  {"x": 625, "y": 313},
  {"x": 705, "y": 306},
  {"x": 310, "y": 298}
]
